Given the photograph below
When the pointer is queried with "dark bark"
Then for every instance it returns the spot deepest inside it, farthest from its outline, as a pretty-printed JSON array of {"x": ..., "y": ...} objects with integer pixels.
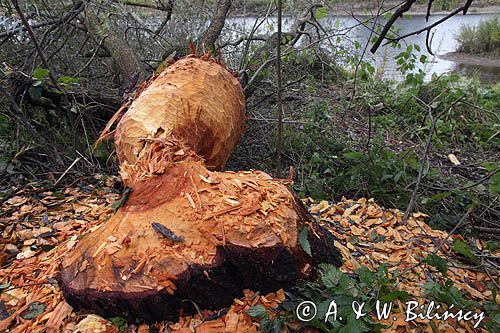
[
  {"x": 127, "y": 61},
  {"x": 208, "y": 38}
]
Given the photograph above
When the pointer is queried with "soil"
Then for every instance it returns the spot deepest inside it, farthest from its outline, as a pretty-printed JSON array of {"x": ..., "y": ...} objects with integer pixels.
[{"x": 484, "y": 60}]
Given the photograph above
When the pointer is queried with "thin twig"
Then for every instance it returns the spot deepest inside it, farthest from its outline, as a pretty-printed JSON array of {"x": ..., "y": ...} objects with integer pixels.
[
  {"x": 280, "y": 101},
  {"x": 36, "y": 44},
  {"x": 433, "y": 120},
  {"x": 66, "y": 171},
  {"x": 22, "y": 119}
]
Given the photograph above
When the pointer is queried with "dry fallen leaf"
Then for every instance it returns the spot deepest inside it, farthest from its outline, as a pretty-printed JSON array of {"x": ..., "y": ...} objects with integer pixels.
[{"x": 91, "y": 324}]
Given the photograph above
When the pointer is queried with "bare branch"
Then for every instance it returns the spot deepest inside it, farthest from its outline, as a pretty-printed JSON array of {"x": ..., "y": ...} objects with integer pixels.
[
  {"x": 126, "y": 59},
  {"x": 24, "y": 121},
  {"x": 428, "y": 14},
  {"x": 280, "y": 100},
  {"x": 403, "y": 9},
  {"x": 168, "y": 8},
  {"x": 37, "y": 45},
  {"x": 398, "y": 13},
  {"x": 69, "y": 14},
  {"x": 209, "y": 36},
  {"x": 165, "y": 21},
  {"x": 434, "y": 119}
]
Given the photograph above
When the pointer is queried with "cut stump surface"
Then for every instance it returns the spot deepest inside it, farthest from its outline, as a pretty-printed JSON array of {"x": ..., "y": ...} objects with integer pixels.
[{"x": 185, "y": 232}]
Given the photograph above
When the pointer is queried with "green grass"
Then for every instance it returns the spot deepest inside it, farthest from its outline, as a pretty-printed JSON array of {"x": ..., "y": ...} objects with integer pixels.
[{"x": 483, "y": 38}]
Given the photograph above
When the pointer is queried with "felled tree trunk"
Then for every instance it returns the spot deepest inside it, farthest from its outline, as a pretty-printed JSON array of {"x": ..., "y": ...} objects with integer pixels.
[{"x": 186, "y": 232}]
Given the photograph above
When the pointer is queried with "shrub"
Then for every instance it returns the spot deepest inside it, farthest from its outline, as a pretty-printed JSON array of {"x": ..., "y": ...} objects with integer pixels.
[{"x": 483, "y": 38}]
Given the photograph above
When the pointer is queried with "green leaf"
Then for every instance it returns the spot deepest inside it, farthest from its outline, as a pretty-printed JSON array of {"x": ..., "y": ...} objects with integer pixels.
[
  {"x": 120, "y": 323},
  {"x": 117, "y": 204},
  {"x": 396, "y": 294},
  {"x": 320, "y": 13},
  {"x": 459, "y": 246},
  {"x": 438, "y": 262},
  {"x": 34, "y": 310},
  {"x": 370, "y": 68},
  {"x": 67, "y": 79},
  {"x": 489, "y": 166},
  {"x": 490, "y": 246},
  {"x": 257, "y": 311},
  {"x": 101, "y": 152},
  {"x": 364, "y": 274},
  {"x": 4, "y": 286},
  {"x": 35, "y": 93},
  {"x": 354, "y": 155},
  {"x": 40, "y": 73},
  {"x": 494, "y": 184},
  {"x": 304, "y": 242},
  {"x": 315, "y": 158}
]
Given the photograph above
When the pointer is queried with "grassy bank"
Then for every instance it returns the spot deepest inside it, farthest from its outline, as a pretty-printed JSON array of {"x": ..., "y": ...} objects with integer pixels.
[{"x": 481, "y": 39}]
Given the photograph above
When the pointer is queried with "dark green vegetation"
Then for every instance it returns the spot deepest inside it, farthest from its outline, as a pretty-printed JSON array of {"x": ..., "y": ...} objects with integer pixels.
[
  {"x": 374, "y": 144},
  {"x": 483, "y": 38},
  {"x": 365, "y": 286}
]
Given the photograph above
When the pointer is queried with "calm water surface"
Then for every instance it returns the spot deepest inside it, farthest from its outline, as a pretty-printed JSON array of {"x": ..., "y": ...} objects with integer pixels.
[{"x": 443, "y": 41}]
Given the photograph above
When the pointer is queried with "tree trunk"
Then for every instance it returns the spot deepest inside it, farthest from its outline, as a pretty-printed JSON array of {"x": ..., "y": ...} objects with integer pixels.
[
  {"x": 129, "y": 65},
  {"x": 207, "y": 40},
  {"x": 185, "y": 232}
]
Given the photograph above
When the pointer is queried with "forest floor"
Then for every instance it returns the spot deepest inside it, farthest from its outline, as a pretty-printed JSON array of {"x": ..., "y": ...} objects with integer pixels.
[
  {"x": 344, "y": 140},
  {"x": 410, "y": 261}
]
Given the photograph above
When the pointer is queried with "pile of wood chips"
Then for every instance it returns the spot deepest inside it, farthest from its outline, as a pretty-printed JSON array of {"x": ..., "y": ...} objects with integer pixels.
[
  {"x": 370, "y": 235},
  {"x": 38, "y": 228}
]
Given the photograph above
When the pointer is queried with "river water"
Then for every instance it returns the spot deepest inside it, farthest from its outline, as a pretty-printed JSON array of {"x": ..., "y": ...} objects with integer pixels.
[{"x": 443, "y": 41}]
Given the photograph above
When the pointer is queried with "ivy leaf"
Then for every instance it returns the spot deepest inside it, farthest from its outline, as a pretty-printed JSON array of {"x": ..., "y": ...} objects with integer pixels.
[
  {"x": 67, "y": 80},
  {"x": 493, "y": 246},
  {"x": 354, "y": 155},
  {"x": 438, "y": 262},
  {"x": 120, "y": 323},
  {"x": 35, "y": 93},
  {"x": 101, "y": 152},
  {"x": 257, "y": 311},
  {"x": 396, "y": 294},
  {"x": 304, "y": 242}
]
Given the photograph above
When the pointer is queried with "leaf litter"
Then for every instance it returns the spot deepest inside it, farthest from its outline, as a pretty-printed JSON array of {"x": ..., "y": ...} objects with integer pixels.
[{"x": 39, "y": 228}]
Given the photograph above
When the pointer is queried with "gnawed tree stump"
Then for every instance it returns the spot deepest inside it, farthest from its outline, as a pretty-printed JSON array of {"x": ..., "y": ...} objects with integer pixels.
[{"x": 186, "y": 232}]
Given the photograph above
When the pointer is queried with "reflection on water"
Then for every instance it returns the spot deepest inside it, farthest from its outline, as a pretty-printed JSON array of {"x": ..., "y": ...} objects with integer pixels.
[
  {"x": 488, "y": 74},
  {"x": 443, "y": 41}
]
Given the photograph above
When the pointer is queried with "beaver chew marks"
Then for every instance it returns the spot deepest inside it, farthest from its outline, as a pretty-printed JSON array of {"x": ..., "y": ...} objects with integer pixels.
[{"x": 186, "y": 231}]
